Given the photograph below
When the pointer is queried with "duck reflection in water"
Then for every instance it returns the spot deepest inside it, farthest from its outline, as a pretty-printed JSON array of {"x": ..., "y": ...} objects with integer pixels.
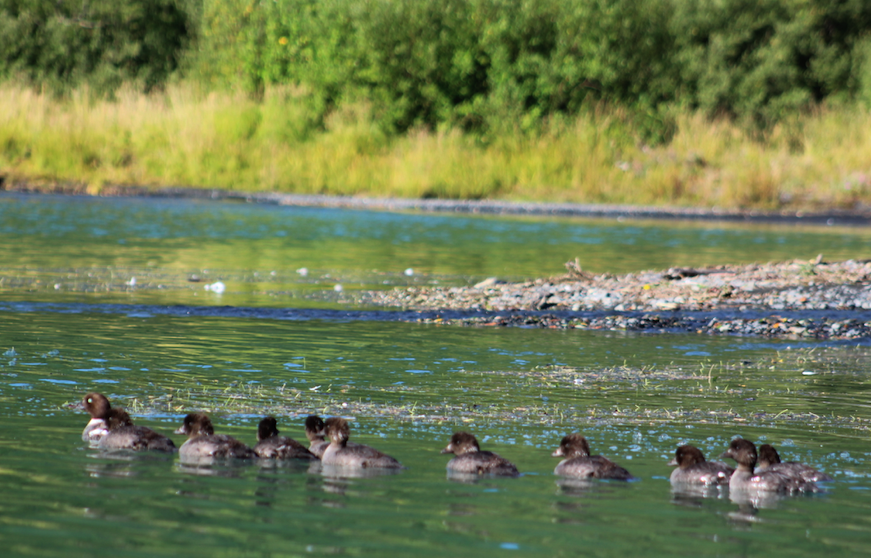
[
  {"x": 568, "y": 486},
  {"x": 212, "y": 467}
]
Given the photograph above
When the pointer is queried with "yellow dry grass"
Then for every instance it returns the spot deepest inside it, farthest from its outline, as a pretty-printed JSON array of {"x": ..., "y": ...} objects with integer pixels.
[{"x": 189, "y": 137}]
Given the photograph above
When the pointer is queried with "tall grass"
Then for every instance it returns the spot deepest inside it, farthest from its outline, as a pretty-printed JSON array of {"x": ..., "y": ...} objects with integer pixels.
[{"x": 188, "y": 137}]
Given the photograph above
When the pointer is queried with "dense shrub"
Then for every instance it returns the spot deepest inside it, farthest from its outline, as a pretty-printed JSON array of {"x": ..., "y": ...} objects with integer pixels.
[
  {"x": 763, "y": 59},
  {"x": 101, "y": 42},
  {"x": 429, "y": 62},
  {"x": 482, "y": 65}
]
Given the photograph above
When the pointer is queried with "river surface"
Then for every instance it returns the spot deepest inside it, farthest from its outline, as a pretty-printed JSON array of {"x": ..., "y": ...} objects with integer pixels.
[{"x": 119, "y": 296}]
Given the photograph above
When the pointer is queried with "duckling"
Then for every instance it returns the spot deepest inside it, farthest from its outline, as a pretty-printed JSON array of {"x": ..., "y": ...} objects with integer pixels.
[
  {"x": 314, "y": 431},
  {"x": 579, "y": 463},
  {"x": 271, "y": 445},
  {"x": 203, "y": 442},
  {"x": 340, "y": 453},
  {"x": 470, "y": 460},
  {"x": 747, "y": 480},
  {"x": 122, "y": 434},
  {"x": 692, "y": 468},
  {"x": 769, "y": 460}
]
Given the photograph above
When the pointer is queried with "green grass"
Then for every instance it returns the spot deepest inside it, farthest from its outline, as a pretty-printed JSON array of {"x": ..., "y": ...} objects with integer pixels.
[{"x": 185, "y": 137}]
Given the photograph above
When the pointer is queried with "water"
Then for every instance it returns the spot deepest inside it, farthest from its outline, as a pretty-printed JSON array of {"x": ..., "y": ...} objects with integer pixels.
[{"x": 407, "y": 387}]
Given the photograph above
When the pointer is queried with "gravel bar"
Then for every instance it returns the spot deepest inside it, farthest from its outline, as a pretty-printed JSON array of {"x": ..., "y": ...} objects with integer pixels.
[{"x": 797, "y": 299}]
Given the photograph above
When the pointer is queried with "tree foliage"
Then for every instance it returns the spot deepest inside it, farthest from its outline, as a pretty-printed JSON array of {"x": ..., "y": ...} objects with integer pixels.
[{"x": 100, "y": 42}]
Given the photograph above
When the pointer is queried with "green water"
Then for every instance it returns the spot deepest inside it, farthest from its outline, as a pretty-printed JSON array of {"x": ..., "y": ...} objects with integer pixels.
[
  {"x": 89, "y": 249},
  {"x": 407, "y": 387}
]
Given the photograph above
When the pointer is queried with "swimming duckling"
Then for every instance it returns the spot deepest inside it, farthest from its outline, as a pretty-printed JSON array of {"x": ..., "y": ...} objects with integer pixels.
[
  {"x": 470, "y": 460},
  {"x": 692, "y": 468},
  {"x": 203, "y": 442},
  {"x": 769, "y": 460},
  {"x": 747, "y": 480},
  {"x": 341, "y": 454},
  {"x": 122, "y": 434},
  {"x": 579, "y": 463},
  {"x": 314, "y": 431},
  {"x": 271, "y": 445}
]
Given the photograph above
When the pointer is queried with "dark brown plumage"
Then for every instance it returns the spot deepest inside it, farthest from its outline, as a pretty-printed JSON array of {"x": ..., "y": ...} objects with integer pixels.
[
  {"x": 123, "y": 434},
  {"x": 341, "y": 453},
  {"x": 769, "y": 460},
  {"x": 692, "y": 468},
  {"x": 203, "y": 442},
  {"x": 470, "y": 460},
  {"x": 96, "y": 405},
  {"x": 578, "y": 462},
  {"x": 272, "y": 446},
  {"x": 746, "y": 479}
]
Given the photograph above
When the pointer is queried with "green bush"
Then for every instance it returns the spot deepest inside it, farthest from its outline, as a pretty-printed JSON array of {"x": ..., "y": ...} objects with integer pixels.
[
  {"x": 471, "y": 63},
  {"x": 488, "y": 66},
  {"x": 765, "y": 59},
  {"x": 100, "y": 42}
]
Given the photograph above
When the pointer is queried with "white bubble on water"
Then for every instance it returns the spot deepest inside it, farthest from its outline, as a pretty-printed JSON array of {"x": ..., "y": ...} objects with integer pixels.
[{"x": 216, "y": 287}]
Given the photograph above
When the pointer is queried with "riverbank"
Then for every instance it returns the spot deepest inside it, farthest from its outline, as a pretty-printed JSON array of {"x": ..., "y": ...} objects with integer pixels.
[
  {"x": 817, "y": 162},
  {"x": 799, "y": 299}
]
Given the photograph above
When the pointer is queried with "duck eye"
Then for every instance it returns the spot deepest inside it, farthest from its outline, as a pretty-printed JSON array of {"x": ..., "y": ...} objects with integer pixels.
[{"x": 90, "y": 400}]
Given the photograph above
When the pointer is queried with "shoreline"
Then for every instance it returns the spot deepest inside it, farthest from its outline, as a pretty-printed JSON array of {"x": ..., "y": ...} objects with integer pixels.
[{"x": 823, "y": 217}]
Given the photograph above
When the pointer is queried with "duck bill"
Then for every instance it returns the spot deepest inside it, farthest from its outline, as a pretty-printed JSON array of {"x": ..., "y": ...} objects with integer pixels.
[
  {"x": 673, "y": 462},
  {"x": 558, "y": 452},
  {"x": 448, "y": 449},
  {"x": 180, "y": 430}
]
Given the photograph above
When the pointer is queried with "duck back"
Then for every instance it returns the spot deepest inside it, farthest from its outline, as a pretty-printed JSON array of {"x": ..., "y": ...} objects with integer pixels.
[
  {"x": 137, "y": 438},
  {"x": 282, "y": 447},
  {"x": 593, "y": 467},
  {"x": 482, "y": 463},
  {"x": 215, "y": 445},
  {"x": 358, "y": 456},
  {"x": 706, "y": 473}
]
